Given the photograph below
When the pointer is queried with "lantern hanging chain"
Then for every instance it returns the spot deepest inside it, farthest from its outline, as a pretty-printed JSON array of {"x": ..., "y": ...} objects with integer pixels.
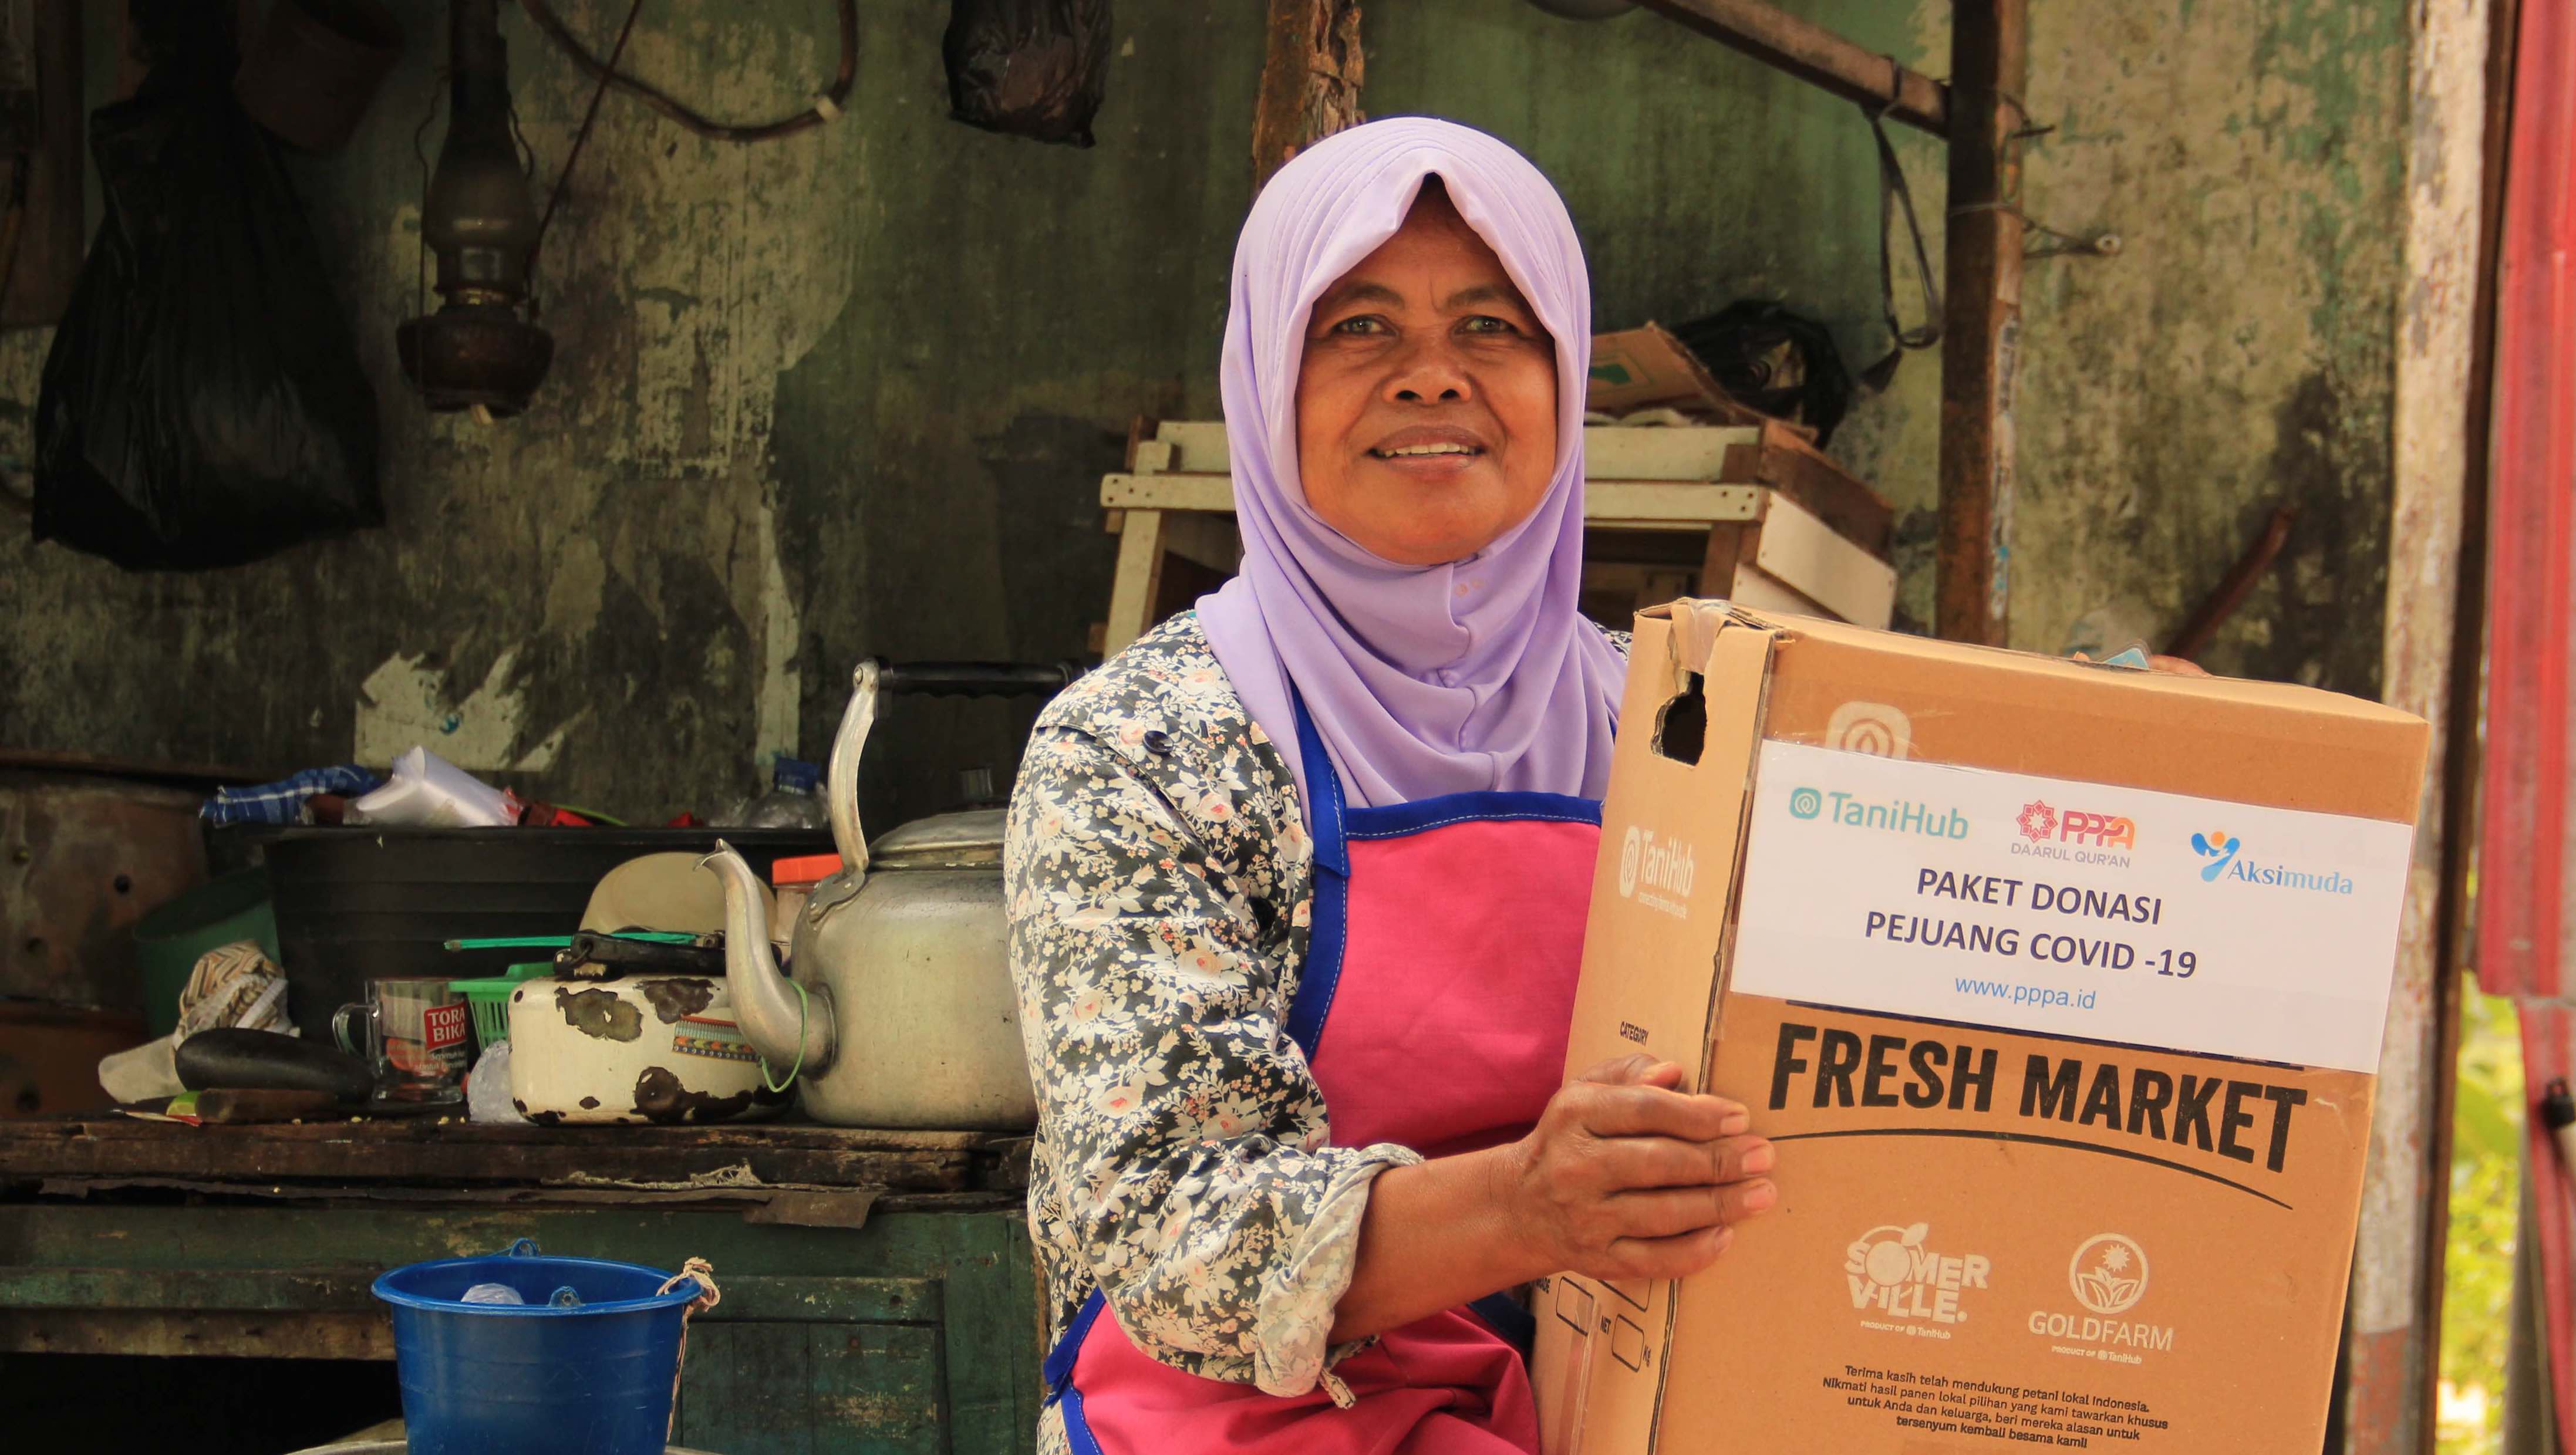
[
  {"x": 554, "y": 199},
  {"x": 420, "y": 259},
  {"x": 826, "y": 106}
]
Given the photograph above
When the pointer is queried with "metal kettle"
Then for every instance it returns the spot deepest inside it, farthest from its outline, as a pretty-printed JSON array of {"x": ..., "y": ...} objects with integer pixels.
[{"x": 901, "y": 1011}]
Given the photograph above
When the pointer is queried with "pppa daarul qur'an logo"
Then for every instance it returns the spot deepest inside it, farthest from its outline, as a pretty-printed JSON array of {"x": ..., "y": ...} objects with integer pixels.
[{"x": 1892, "y": 1272}]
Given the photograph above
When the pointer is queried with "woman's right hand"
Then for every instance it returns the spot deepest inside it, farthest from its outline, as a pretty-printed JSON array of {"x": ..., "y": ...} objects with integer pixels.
[{"x": 1625, "y": 1177}]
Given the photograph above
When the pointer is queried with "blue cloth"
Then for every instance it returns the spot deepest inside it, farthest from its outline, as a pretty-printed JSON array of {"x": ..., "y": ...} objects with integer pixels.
[{"x": 282, "y": 802}]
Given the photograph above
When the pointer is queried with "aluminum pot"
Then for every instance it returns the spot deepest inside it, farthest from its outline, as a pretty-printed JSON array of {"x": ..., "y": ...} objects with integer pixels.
[{"x": 901, "y": 1011}]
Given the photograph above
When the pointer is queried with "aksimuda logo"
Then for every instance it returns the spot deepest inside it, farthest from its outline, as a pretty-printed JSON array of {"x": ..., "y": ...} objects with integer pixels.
[
  {"x": 1898, "y": 1281},
  {"x": 2219, "y": 848},
  {"x": 2228, "y": 865}
]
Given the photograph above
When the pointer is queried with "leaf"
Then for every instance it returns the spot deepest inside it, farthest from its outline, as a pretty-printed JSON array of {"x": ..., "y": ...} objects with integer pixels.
[{"x": 1915, "y": 1235}]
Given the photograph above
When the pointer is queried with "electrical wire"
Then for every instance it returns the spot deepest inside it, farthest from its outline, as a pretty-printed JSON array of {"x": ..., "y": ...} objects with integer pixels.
[{"x": 827, "y": 105}]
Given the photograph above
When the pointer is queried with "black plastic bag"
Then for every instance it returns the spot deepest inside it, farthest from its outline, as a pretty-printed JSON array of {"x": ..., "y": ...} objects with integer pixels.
[
  {"x": 1033, "y": 68},
  {"x": 203, "y": 404}
]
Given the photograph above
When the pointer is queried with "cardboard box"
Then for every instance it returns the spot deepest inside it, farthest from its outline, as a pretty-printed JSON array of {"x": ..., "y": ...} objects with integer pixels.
[
  {"x": 2059, "y": 988},
  {"x": 1642, "y": 368}
]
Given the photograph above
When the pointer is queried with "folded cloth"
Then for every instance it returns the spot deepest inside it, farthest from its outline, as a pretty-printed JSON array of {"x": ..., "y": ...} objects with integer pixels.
[
  {"x": 282, "y": 802},
  {"x": 233, "y": 985}
]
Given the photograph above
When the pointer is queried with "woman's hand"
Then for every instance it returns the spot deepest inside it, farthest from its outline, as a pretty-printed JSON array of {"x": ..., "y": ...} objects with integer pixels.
[{"x": 1625, "y": 1177}]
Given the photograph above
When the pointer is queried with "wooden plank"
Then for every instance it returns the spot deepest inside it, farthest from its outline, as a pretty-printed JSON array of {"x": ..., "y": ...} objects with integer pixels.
[
  {"x": 1610, "y": 452},
  {"x": 1981, "y": 327},
  {"x": 162, "y": 1334},
  {"x": 1726, "y": 549},
  {"x": 1661, "y": 505},
  {"x": 417, "y": 1151},
  {"x": 1816, "y": 56},
  {"x": 1788, "y": 463},
  {"x": 803, "y": 1389},
  {"x": 1311, "y": 70},
  {"x": 1614, "y": 503},
  {"x": 1139, "y": 568},
  {"x": 1148, "y": 493},
  {"x": 1804, "y": 553},
  {"x": 993, "y": 1338}
]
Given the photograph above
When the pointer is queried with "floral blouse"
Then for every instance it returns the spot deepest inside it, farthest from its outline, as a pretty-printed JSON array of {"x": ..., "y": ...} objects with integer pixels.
[{"x": 1157, "y": 872}]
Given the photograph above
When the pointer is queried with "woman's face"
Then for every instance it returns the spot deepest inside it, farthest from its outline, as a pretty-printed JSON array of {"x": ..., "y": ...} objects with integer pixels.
[{"x": 1426, "y": 407}]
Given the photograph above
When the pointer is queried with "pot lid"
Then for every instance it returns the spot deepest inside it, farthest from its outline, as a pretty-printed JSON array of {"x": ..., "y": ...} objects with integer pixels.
[{"x": 971, "y": 838}]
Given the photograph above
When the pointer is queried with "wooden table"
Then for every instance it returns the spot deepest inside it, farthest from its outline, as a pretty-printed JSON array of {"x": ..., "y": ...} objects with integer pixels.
[{"x": 879, "y": 1289}]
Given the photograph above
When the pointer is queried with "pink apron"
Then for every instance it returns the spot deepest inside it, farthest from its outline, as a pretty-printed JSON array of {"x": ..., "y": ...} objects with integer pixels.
[{"x": 1438, "y": 984}]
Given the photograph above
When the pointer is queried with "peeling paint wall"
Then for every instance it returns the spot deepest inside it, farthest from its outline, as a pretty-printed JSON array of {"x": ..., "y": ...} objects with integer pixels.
[{"x": 852, "y": 393}]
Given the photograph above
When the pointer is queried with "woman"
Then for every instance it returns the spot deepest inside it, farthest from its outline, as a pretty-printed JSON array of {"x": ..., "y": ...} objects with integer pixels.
[{"x": 1297, "y": 882}]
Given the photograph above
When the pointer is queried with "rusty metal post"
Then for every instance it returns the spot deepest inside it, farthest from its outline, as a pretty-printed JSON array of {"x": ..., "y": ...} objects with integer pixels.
[
  {"x": 1981, "y": 331},
  {"x": 1817, "y": 56},
  {"x": 1310, "y": 80}
]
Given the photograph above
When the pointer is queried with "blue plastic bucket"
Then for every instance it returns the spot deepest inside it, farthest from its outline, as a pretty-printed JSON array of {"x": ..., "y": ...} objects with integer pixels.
[{"x": 498, "y": 1379}]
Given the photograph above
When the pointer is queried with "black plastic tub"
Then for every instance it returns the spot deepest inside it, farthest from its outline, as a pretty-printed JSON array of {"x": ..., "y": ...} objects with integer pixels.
[{"x": 361, "y": 904}]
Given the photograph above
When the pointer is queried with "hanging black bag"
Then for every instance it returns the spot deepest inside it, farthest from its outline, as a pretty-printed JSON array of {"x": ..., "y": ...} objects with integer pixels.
[
  {"x": 203, "y": 404},
  {"x": 1033, "y": 68}
]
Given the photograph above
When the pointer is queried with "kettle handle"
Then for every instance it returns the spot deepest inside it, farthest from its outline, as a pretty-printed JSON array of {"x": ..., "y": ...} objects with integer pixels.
[{"x": 876, "y": 676}]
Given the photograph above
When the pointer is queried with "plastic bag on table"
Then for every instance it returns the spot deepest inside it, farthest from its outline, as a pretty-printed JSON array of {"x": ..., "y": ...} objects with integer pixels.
[
  {"x": 203, "y": 403},
  {"x": 1033, "y": 68}
]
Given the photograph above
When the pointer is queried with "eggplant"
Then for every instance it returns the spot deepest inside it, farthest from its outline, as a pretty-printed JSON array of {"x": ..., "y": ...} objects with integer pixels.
[{"x": 244, "y": 1060}]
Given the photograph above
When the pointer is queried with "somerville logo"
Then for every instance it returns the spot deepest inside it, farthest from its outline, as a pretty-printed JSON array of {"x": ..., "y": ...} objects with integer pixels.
[
  {"x": 1656, "y": 872},
  {"x": 2223, "y": 851},
  {"x": 1891, "y": 1274},
  {"x": 2074, "y": 835}
]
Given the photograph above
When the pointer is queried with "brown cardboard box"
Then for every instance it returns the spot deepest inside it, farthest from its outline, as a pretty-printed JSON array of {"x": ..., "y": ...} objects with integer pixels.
[
  {"x": 2060, "y": 989},
  {"x": 1641, "y": 368}
]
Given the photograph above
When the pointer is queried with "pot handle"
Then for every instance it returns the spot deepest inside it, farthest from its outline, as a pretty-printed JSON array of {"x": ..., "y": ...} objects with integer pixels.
[
  {"x": 876, "y": 676},
  {"x": 976, "y": 679}
]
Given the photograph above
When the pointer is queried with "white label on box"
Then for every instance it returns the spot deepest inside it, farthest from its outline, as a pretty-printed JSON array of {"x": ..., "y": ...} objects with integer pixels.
[{"x": 2070, "y": 909}]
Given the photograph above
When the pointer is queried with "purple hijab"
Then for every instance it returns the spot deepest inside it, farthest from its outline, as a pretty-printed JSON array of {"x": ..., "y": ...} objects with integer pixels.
[{"x": 1422, "y": 680}]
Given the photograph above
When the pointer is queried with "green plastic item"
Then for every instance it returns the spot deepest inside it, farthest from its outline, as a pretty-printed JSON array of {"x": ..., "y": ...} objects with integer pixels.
[
  {"x": 490, "y": 999},
  {"x": 175, "y": 934},
  {"x": 564, "y": 942}
]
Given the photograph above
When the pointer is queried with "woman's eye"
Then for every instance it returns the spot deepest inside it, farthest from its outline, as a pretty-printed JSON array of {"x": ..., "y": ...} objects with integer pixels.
[
  {"x": 1364, "y": 324},
  {"x": 1487, "y": 323}
]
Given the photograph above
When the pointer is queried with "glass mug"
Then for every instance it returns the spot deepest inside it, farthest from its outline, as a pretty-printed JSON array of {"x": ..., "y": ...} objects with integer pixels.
[{"x": 412, "y": 1034}]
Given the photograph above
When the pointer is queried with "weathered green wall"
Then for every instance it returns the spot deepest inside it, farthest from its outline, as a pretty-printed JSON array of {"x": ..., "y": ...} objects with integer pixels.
[{"x": 853, "y": 392}]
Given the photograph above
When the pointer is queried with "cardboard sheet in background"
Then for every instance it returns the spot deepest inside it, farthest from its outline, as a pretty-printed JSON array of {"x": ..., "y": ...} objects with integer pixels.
[{"x": 2127, "y": 1260}]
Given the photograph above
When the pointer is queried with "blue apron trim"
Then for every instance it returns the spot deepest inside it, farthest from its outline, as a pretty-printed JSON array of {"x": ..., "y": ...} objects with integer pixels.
[
  {"x": 1399, "y": 819},
  {"x": 1504, "y": 1315},
  {"x": 1077, "y": 1430},
  {"x": 1058, "y": 1369},
  {"x": 1326, "y": 787}
]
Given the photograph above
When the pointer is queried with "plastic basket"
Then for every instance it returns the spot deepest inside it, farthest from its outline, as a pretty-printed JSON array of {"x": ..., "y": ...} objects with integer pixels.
[{"x": 490, "y": 1000}]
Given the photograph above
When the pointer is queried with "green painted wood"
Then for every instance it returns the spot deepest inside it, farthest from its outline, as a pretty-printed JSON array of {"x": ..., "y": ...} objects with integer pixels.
[
  {"x": 918, "y": 1332},
  {"x": 813, "y": 1389}
]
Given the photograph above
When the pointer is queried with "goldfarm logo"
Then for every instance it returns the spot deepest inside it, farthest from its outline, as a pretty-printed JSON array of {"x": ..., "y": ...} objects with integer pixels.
[
  {"x": 1897, "y": 1280},
  {"x": 2108, "y": 1276},
  {"x": 1656, "y": 872}
]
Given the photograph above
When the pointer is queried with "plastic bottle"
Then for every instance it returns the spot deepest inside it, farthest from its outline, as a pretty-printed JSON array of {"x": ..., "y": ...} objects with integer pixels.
[{"x": 794, "y": 799}]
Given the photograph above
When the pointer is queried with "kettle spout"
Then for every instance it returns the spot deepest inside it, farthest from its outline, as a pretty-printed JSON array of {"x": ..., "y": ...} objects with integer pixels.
[{"x": 786, "y": 1028}]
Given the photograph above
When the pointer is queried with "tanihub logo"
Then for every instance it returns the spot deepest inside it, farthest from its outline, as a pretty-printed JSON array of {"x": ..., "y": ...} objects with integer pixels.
[
  {"x": 1891, "y": 1273},
  {"x": 1895, "y": 815},
  {"x": 2221, "y": 850},
  {"x": 1648, "y": 864}
]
